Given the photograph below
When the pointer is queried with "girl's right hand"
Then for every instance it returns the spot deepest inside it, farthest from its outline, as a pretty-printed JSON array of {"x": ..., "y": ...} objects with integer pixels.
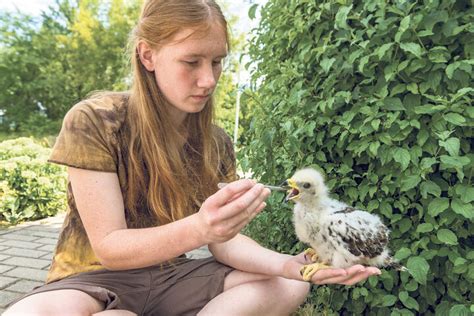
[{"x": 227, "y": 211}]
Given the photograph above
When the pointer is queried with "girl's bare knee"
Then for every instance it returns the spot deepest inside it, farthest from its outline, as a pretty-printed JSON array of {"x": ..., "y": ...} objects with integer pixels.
[
  {"x": 115, "y": 312},
  {"x": 292, "y": 292},
  {"x": 58, "y": 302}
]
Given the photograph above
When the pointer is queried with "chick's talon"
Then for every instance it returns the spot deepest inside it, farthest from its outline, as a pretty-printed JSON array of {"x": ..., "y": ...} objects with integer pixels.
[
  {"x": 309, "y": 270},
  {"x": 311, "y": 253}
]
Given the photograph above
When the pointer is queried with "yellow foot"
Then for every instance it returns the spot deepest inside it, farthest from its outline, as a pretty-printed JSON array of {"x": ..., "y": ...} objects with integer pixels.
[
  {"x": 309, "y": 270},
  {"x": 311, "y": 253}
]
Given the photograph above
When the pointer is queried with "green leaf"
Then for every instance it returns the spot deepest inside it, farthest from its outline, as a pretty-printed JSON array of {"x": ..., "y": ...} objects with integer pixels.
[
  {"x": 402, "y": 253},
  {"x": 252, "y": 11},
  {"x": 393, "y": 104},
  {"x": 389, "y": 300},
  {"x": 452, "y": 145},
  {"x": 341, "y": 17},
  {"x": 459, "y": 310},
  {"x": 429, "y": 109},
  {"x": 437, "y": 206},
  {"x": 408, "y": 301},
  {"x": 410, "y": 182},
  {"x": 326, "y": 64},
  {"x": 412, "y": 48},
  {"x": 424, "y": 228},
  {"x": 426, "y": 163},
  {"x": 447, "y": 236},
  {"x": 418, "y": 267},
  {"x": 402, "y": 156},
  {"x": 422, "y": 137},
  {"x": 413, "y": 88},
  {"x": 454, "y": 162},
  {"x": 382, "y": 50},
  {"x": 455, "y": 119},
  {"x": 373, "y": 148},
  {"x": 466, "y": 193},
  {"x": 451, "y": 68},
  {"x": 463, "y": 209}
]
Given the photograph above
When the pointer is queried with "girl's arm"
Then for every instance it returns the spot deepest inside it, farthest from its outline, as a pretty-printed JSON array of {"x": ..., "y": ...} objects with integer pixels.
[
  {"x": 100, "y": 203},
  {"x": 245, "y": 254}
]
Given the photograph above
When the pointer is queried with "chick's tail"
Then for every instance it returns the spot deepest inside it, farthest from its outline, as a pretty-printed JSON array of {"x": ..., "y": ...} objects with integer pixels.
[{"x": 392, "y": 263}]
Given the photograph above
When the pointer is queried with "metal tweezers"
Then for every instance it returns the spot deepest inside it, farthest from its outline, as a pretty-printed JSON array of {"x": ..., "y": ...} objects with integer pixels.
[{"x": 271, "y": 187}]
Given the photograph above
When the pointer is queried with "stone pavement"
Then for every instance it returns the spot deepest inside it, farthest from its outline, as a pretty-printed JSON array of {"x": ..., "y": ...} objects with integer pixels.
[{"x": 26, "y": 251}]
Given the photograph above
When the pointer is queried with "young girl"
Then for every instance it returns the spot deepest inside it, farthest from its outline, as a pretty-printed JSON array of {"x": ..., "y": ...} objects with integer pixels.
[{"x": 143, "y": 170}]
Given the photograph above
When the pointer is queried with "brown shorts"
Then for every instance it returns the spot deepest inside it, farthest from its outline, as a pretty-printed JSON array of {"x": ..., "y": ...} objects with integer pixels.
[{"x": 183, "y": 287}]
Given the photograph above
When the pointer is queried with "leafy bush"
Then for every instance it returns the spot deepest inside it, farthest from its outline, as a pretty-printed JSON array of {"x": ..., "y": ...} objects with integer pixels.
[
  {"x": 379, "y": 95},
  {"x": 30, "y": 187}
]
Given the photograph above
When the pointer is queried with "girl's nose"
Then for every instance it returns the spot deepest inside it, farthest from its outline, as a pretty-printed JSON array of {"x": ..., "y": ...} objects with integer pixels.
[{"x": 207, "y": 78}]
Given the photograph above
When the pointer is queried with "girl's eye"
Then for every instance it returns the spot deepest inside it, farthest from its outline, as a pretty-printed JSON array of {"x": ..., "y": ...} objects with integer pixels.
[{"x": 191, "y": 62}]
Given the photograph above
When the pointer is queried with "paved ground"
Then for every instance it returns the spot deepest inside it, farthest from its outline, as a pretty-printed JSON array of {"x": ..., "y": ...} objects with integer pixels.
[{"x": 26, "y": 251}]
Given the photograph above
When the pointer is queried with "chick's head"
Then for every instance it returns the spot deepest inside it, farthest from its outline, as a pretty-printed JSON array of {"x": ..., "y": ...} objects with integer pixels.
[{"x": 306, "y": 186}]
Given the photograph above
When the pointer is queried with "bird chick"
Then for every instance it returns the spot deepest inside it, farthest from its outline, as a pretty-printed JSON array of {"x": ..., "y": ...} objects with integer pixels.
[{"x": 340, "y": 236}]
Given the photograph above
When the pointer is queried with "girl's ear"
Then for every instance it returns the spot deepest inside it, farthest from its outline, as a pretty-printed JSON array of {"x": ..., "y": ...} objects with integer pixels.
[{"x": 146, "y": 55}]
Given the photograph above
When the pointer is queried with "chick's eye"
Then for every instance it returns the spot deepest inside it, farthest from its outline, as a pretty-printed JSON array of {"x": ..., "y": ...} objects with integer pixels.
[{"x": 306, "y": 185}]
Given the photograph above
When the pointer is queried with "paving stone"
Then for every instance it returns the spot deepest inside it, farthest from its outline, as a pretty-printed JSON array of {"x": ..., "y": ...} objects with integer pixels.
[
  {"x": 6, "y": 281},
  {"x": 20, "y": 244},
  {"x": 23, "y": 286},
  {"x": 9, "y": 230},
  {"x": 47, "y": 241},
  {"x": 199, "y": 253},
  {"x": 49, "y": 248},
  {"x": 27, "y": 262},
  {"x": 48, "y": 256},
  {"x": 3, "y": 257},
  {"x": 22, "y": 252},
  {"x": 37, "y": 233},
  {"x": 19, "y": 236},
  {"x": 5, "y": 268},
  {"x": 6, "y": 297},
  {"x": 27, "y": 273},
  {"x": 42, "y": 228}
]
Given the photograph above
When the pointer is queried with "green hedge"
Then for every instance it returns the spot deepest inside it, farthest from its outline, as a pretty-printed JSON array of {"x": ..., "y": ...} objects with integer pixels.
[
  {"x": 30, "y": 187},
  {"x": 379, "y": 95}
]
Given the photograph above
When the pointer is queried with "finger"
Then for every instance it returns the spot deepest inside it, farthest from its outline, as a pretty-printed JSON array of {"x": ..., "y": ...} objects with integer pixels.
[
  {"x": 231, "y": 191},
  {"x": 337, "y": 276},
  {"x": 247, "y": 219},
  {"x": 256, "y": 206},
  {"x": 324, "y": 276},
  {"x": 358, "y": 277},
  {"x": 251, "y": 198},
  {"x": 361, "y": 276},
  {"x": 354, "y": 275}
]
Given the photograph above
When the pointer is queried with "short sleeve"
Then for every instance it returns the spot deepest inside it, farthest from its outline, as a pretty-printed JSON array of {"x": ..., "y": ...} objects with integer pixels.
[{"x": 84, "y": 141}]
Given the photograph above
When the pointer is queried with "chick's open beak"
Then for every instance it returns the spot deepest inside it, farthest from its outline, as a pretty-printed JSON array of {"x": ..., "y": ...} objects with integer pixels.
[{"x": 293, "y": 190}]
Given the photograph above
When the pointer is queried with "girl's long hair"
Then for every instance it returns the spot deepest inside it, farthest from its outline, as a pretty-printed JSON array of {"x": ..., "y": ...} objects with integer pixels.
[{"x": 172, "y": 178}]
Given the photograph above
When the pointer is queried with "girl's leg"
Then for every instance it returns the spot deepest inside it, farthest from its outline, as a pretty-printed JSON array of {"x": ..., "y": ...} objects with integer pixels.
[
  {"x": 253, "y": 294},
  {"x": 61, "y": 302}
]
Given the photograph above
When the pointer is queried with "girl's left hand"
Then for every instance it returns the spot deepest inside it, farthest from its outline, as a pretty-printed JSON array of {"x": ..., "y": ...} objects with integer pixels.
[{"x": 347, "y": 276}]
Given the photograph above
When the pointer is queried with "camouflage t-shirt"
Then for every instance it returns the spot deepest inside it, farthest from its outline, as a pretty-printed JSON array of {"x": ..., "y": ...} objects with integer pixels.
[{"x": 94, "y": 137}]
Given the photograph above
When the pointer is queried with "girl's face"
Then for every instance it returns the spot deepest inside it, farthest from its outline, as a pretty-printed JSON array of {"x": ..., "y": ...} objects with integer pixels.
[{"x": 188, "y": 68}]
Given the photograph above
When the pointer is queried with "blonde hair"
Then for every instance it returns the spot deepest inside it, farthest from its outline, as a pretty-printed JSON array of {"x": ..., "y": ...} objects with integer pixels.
[{"x": 172, "y": 179}]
